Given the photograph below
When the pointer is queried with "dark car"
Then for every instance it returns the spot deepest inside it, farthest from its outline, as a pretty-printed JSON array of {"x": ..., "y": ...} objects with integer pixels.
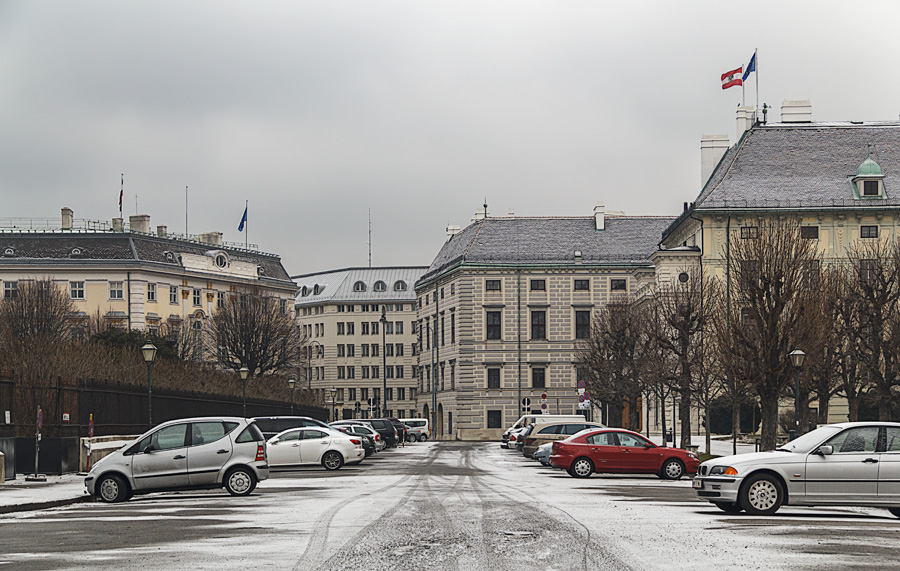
[
  {"x": 367, "y": 440},
  {"x": 402, "y": 429},
  {"x": 272, "y": 425},
  {"x": 386, "y": 429}
]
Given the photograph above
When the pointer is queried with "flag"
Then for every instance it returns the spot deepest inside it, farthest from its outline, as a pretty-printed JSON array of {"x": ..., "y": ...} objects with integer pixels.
[
  {"x": 121, "y": 193},
  {"x": 751, "y": 67},
  {"x": 732, "y": 78},
  {"x": 243, "y": 221}
]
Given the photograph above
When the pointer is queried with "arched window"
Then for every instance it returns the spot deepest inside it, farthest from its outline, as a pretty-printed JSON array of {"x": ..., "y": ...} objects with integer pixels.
[
  {"x": 380, "y": 286},
  {"x": 359, "y": 286},
  {"x": 400, "y": 285}
]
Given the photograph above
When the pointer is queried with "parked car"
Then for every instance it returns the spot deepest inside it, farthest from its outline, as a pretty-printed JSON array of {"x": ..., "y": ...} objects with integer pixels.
[
  {"x": 418, "y": 429},
  {"x": 542, "y": 454},
  {"x": 385, "y": 428},
  {"x": 550, "y": 432},
  {"x": 185, "y": 454},
  {"x": 313, "y": 445},
  {"x": 359, "y": 426},
  {"x": 272, "y": 425},
  {"x": 368, "y": 440},
  {"x": 527, "y": 419},
  {"x": 402, "y": 429},
  {"x": 846, "y": 464},
  {"x": 519, "y": 443},
  {"x": 513, "y": 437},
  {"x": 616, "y": 450}
]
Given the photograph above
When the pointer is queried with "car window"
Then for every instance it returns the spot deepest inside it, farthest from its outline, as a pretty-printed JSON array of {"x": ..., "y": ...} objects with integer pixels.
[
  {"x": 572, "y": 428},
  {"x": 892, "y": 443},
  {"x": 292, "y": 435},
  {"x": 861, "y": 439},
  {"x": 249, "y": 434},
  {"x": 552, "y": 429},
  {"x": 313, "y": 434},
  {"x": 602, "y": 439},
  {"x": 166, "y": 438},
  {"x": 205, "y": 432},
  {"x": 630, "y": 440}
]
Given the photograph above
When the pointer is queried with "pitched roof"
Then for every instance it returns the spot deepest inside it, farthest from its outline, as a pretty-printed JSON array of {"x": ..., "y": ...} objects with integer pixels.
[
  {"x": 340, "y": 285},
  {"x": 626, "y": 240}
]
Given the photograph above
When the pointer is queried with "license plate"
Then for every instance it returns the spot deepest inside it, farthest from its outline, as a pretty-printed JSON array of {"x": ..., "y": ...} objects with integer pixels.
[{"x": 698, "y": 484}]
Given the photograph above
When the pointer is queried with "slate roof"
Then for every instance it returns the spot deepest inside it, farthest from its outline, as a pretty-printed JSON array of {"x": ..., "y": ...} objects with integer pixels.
[
  {"x": 338, "y": 285},
  {"x": 56, "y": 247},
  {"x": 626, "y": 240}
]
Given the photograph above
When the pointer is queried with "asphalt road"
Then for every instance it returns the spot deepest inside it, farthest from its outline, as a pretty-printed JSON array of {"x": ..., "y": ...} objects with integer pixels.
[{"x": 469, "y": 506}]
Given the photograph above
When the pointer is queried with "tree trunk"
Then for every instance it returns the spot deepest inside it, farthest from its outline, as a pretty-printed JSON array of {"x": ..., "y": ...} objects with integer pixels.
[
  {"x": 805, "y": 398},
  {"x": 634, "y": 415},
  {"x": 708, "y": 432},
  {"x": 884, "y": 401},
  {"x": 853, "y": 407},
  {"x": 824, "y": 398},
  {"x": 769, "y": 406},
  {"x": 662, "y": 415},
  {"x": 735, "y": 424},
  {"x": 684, "y": 411}
]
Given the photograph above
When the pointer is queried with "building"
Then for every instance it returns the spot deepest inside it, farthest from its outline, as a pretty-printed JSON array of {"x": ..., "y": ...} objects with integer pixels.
[
  {"x": 503, "y": 304},
  {"x": 130, "y": 277},
  {"x": 361, "y": 326}
]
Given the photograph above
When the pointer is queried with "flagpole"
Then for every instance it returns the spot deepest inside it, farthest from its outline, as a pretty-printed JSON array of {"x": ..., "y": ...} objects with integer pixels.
[
  {"x": 186, "y": 235},
  {"x": 247, "y": 225},
  {"x": 756, "y": 66}
]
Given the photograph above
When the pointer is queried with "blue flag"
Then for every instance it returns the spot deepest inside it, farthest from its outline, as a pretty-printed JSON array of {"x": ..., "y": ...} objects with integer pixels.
[
  {"x": 750, "y": 67},
  {"x": 243, "y": 221}
]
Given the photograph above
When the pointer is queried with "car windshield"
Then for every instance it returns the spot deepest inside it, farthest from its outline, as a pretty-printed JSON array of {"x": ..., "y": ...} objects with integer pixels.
[{"x": 810, "y": 440}]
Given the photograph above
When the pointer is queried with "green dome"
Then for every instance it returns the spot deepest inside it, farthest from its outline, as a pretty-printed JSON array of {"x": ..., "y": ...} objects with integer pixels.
[{"x": 869, "y": 168}]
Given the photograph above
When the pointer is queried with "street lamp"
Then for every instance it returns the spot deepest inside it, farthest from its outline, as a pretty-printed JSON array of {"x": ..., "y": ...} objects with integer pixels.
[
  {"x": 383, "y": 402},
  {"x": 149, "y": 353},
  {"x": 333, "y": 407},
  {"x": 244, "y": 372},
  {"x": 309, "y": 363},
  {"x": 433, "y": 383},
  {"x": 291, "y": 385},
  {"x": 797, "y": 357}
]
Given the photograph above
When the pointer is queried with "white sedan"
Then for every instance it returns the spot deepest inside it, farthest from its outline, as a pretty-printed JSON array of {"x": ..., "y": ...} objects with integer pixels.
[{"x": 311, "y": 446}]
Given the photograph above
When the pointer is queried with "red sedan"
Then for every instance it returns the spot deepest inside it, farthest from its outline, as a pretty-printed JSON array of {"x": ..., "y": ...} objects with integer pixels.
[{"x": 615, "y": 450}]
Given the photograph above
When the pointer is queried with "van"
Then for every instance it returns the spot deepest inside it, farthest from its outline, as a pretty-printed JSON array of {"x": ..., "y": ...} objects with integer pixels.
[
  {"x": 418, "y": 429},
  {"x": 527, "y": 419}
]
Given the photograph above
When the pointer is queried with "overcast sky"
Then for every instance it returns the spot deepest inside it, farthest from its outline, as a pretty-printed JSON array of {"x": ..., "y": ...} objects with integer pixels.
[{"x": 317, "y": 112}]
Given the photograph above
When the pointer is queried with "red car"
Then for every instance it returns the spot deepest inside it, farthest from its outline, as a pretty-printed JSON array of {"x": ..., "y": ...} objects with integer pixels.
[{"x": 620, "y": 451}]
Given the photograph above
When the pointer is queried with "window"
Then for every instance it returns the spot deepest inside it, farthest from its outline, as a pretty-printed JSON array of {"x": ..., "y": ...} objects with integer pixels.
[
  {"x": 376, "y": 374},
  {"x": 452, "y": 327},
  {"x": 76, "y": 290},
  {"x": 398, "y": 327},
  {"x": 749, "y": 232},
  {"x": 341, "y": 350},
  {"x": 493, "y": 378},
  {"x": 389, "y": 394},
  {"x": 10, "y": 290},
  {"x": 374, "y": 349},
  {"x": 617, "y": 284},
  {"x": 400, "y": 285},
  {"x": 351, "y": 373},
  {"x": 493, "y": 325},
  {"x": 399, "y": 351},
  {"x": 374, "y": 328},
  {"x": 220, "y": 299},
  {"x": 151, "y": 292},
  {"x": 452, "y": 289},
  {"x": 401, "y": 393},
  {"x": 389, "y": 372},
  {"x": 351, "y": 350},
  {"x": 491, "y": 285},
  {"x": 116, "y": 291},
  {"x": 364, "y": 394},
  {"x": 340, "y": 328},
  {"x": 811, "y": 272},
  {"x": 602, "y": 439},
  {"x": 537, "y": 377},
  {"x": 365, "y": 350},
  {"x": 538, "y": 285},
  {"x": 364, "y": 328},
  {"x": 341, "y": 373},
  {"x": 582, "y": 285},
  {"x": 350, "y": 327},
  {"x": 399, "y": 371},
  {"x": 538, "y": 324},
  {"x": 365, "y": 372},
  {"x": 870, "y": 188},
  {"x": 868, "y": 231},
  {"x": 359, "y": 286},
  {"x": 862, "y": 439},
  {"x": 495, "y": 419},
  {"x": 168, "y": 438},
  {"x": 173, "y": 294},
  {"x": 198, "y": 298},
  {"x": 809, "y": 232},
  {"x": 388, "y": 350},
  {"x": 380, "y": 286},
  {"x": 388, "y": 328},
  {"x": 582, "y": 324},
  {"x": 868, "y": 271}
]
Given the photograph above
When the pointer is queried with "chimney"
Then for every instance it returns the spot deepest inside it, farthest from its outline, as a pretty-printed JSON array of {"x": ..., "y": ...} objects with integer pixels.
[
  {"x": 799, "y": 111},
  {"x": 66, "y": 218},
  {"x": 599, "y": 216},
  {"x": 214, "y": 238},
  {"x": 118, "y": 225},
  {"x": 162, "y": 231},
  {"x": 712, "y": 149},
  {"x": 746, "y": 117},
  {"x": 452, "y": 230},
  {"x": 140, "y": 223}
]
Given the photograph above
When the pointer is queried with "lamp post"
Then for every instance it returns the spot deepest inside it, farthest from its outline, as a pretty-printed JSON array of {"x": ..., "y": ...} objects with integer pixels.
[
  {"x": 433, "y": 384},
  {"x": 149, "y": 353},
  {"x": 244, "y": 372},
  {"x": 383, "y": 400},
  {"x": 797, "y": 357},
  {"x": 333, "y": 408},
  {"x": 309, "y": 363},
  {"x": 291, "y": 385}
]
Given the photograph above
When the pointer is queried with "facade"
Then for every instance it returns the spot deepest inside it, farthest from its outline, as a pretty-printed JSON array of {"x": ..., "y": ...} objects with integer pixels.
[
  {"x": 503, "y": 304},
  {"x": 129, "y": 277},
  {"x": 361, "y": 326}
]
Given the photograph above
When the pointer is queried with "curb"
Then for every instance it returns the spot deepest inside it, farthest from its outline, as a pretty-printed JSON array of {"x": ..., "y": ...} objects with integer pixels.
[{"x": 43, "y": 505}]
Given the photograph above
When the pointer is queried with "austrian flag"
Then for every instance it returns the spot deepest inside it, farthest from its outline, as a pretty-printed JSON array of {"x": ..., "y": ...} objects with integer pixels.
[{"x": 732, "y": 78}]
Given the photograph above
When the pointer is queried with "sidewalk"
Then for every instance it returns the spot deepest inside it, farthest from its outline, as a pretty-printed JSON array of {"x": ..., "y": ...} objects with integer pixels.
[{"x": 18, "y": 495}]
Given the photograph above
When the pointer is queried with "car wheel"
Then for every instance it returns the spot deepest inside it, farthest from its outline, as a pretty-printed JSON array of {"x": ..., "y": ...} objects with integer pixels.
[
  {"x": 672, "y": 469},
  {"x": 240, "y": 482},
  {"x": 895, "y": 511},
  {"x": 411, "y": 438},
  {"x": 761, "y": 494},
  {"x": 332, "y": 460},
  {"x": 112, "y": 489},
  {"x": 424, "y": 437},
  {"x": 728, "y": 507},
  {"x": 582, "y": 468}
]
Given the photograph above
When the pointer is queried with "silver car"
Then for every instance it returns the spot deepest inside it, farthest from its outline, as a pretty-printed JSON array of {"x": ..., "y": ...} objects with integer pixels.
[
  {"x": 846, "y": 464},
  {"x": 185, "y": 454}
]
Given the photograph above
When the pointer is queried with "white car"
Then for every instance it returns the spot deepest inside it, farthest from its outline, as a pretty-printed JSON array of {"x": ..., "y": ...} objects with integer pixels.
[
  {"x": 366, "y": 429},
  {"x": 313, "y": 445},
  {"x": 846, "y": 464}
]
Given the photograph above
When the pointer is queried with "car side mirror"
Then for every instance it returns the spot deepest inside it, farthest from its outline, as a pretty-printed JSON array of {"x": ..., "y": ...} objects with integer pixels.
[
  {"x": 647, "y": 445},
  {"x": 826, "y": 450},
  {"x": 274, "y": 441},
  {"x": 148, "y": 449}
]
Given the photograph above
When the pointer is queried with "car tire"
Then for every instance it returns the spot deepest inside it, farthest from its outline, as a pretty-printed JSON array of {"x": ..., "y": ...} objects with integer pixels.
[
  {"x": 728, "y": 507},
  {"x": 761, "y": 494},
  {"x": 672, "y": 469},
  {"x": 895, "y": 511},
  {"x": 581, "y": 468},
  {"x": 112, "y": 489},
  {"x": 239, "y": 481},
  {"x": 332, "y": 460},
  {"x": 411, "y": 438},
  {"x": 424, "y": 437}
]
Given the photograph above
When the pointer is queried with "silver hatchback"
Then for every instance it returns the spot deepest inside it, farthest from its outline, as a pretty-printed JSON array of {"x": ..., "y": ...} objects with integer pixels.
[
  {"x": 846, "y": 464},
  {"x": 185, "y": 454}
]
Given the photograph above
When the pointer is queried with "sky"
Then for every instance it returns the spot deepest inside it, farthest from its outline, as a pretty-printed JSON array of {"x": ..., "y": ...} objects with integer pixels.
[{"x": 320, "y": 113}]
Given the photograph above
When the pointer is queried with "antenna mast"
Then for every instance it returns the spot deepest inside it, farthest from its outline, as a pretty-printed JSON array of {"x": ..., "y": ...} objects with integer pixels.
[{"x": 370, "y": 237}]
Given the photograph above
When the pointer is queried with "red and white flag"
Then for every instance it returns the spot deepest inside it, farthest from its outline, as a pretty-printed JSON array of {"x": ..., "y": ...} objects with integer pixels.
[{"x": 732, "y": 78}]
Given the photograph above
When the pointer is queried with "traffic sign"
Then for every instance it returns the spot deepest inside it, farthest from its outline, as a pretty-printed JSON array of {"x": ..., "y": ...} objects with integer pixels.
[
  {"x": 580, "y": 384},
  {"x": 526, "y": 401},
  {"x": 91, "y": 427},
  {"x": 543, "y": 396},
  {"x": 40, "y": 419},
  {"x": 587, "y": 396},
  {"x": 580, "y": 398},
  {"x": 581, "y": 391},
  {"x": 544, "y": 406}
]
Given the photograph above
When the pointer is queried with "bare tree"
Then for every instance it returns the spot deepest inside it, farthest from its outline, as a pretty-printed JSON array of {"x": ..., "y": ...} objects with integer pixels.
[
  {"x": 38, "y": 308},
  {"x": 252, "y": 330}
]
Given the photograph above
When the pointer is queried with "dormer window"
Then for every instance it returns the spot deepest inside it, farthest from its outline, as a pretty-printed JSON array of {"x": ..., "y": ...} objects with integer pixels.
[
  {"x": 359, "y": 286},
  {"x": 868, "y": 182},
  {"x": 76, "y": 252},
  {"x": 870, "y": 188},
  {"x": 9, "y": 252},
  {"x": 380, "y": 286}
]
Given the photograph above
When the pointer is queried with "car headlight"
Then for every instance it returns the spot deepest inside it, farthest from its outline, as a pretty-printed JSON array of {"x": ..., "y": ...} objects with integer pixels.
[
  {"x": 692, "y": 455},
  {"x": 723, "y": 471}
]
